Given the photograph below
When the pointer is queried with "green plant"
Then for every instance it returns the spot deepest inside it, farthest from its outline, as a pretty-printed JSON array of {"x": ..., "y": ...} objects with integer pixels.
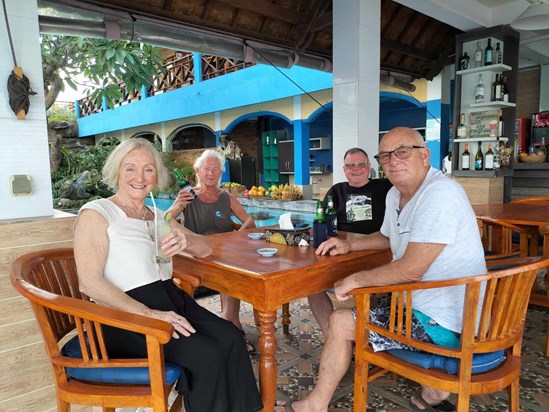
[{"x": 73, "y": 164}]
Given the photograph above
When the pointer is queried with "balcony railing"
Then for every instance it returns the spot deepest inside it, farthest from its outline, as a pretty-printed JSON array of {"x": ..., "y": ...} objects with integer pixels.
[{"x": 178, "y": 71}]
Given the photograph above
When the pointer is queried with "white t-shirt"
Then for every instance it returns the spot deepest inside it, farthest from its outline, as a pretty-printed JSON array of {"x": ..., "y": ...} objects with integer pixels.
[
  {"x": 131, "y": 261},
  {"x": 439, "y": 212}
]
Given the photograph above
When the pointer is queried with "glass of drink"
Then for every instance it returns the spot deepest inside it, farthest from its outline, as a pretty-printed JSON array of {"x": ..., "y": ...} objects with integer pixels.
[{"x": 162, "y": 228}]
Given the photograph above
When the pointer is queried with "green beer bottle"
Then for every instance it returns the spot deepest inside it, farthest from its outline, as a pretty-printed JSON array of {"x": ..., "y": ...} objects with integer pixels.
[
  {"x": 330, "y": 216},
  {"x": 319, "y": 225}
]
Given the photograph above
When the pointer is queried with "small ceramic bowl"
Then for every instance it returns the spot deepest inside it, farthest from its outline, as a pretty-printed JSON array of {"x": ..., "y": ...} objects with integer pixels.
[
  {"x": 267, "y": 251},
  {"x": 255, "y": 235}
]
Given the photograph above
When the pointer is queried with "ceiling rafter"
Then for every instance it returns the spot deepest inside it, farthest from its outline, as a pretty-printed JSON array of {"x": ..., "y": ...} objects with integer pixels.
[{"x": 267, "y": 9}]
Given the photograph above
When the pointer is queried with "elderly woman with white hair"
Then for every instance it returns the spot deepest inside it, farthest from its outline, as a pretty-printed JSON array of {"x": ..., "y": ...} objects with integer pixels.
[
  {"x": 210, "y": 212},
  {"x": 115, "y": 253}
]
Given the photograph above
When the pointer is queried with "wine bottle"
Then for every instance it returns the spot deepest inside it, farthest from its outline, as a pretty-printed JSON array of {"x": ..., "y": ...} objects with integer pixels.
[
  {"x": 479, "y": 90},
  {"x": 465, "y": 158},
  {"x": 497, "y": 155},
  {"x": 462, "y": 129},
  {"x": 488, "y": 54},
  {"x": 319, "y": 225},
  {"x": 465, "y": 61},
  {"x": 489, "y": 158},
  {"x": 497, "y": 95},
  {"x": 331, "y": 218},
  {"x": 498, "y": 55},
  {"x": 478, "y": 55},
  {"x": 504, "y": 89},
  {"x": 500, "y": 124},
  {"x": 479, "y": 157}
]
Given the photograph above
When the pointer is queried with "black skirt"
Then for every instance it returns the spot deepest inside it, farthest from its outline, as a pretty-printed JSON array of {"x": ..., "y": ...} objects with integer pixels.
[{"x": 218, "y": 375}]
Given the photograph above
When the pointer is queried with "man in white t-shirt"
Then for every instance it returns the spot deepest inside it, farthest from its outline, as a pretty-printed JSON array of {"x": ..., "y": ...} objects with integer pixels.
[{"x": 432, "y": 232}]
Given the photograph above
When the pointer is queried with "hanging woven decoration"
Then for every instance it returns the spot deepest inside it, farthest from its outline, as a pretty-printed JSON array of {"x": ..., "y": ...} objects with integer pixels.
[
  {"x": 19, "y": 88},
  {"x": 19, "y": 91}
]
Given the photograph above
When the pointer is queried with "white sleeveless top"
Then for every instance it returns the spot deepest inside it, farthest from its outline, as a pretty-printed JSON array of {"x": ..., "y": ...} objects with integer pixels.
[{"x": 131, "y": 261}]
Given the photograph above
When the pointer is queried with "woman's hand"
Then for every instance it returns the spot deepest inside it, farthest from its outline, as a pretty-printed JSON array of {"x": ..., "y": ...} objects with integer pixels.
[
  {"x": 183, "y": 198},
  {"x": 180, "y": 324},
  {"x": 333, "y": 246},
  {"x": 175, "y": 242}
]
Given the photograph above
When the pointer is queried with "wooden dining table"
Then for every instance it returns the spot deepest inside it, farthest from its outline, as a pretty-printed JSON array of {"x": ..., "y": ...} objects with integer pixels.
[
  {"x": 527, "y": 215},
  {"x": 522, "y": 214},
  {"x": 235, "y": 268}
]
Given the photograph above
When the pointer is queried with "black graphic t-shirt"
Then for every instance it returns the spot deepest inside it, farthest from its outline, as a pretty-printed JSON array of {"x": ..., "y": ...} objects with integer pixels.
[{"x": 359, "y": 209}]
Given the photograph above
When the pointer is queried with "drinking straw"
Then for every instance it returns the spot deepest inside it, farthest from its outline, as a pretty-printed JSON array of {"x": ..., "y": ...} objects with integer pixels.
[{"x": 155, "y": 217}]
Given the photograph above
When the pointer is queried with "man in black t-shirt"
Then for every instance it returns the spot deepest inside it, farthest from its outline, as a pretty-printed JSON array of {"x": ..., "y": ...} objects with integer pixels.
[{"x": 360, "y": 208}]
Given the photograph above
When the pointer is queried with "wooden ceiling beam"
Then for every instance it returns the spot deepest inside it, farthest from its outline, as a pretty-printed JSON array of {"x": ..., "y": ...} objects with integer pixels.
[
  {"x": 408, "y": 50},
  {"x": 267, "y": 9}
]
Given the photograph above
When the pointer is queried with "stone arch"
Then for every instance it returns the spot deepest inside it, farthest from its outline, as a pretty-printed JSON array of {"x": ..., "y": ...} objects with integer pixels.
[
  {"x": 150, "y": 136},
  {"x": 192, "y": 136}
]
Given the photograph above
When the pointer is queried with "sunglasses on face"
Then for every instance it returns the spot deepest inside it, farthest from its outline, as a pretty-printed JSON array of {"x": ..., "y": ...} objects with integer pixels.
[{"x": 402, "y": 152}]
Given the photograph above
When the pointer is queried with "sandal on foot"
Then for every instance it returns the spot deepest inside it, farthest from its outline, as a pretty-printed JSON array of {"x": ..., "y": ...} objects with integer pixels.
[
  {"x": 249, "y": 345},
  {"x": 444, "y": 406}
]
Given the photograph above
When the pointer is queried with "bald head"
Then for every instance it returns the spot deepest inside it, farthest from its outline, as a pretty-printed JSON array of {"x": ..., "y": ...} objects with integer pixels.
[
  {"x": 408, "y": 161},
  {"x": 405, "y": 135}
]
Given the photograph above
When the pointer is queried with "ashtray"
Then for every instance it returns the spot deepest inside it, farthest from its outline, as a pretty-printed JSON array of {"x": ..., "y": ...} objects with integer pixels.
[
  {"x": 267, "y": 251},
  {"x": 255, "y": 235}
]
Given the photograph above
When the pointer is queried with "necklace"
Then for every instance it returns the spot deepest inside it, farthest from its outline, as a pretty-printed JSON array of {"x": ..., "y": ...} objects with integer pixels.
[{"x": 133, "y": 212}]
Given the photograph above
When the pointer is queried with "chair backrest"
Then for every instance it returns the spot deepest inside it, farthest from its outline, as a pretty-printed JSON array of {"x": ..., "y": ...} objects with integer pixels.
[
  {"x": 501, "y": 239},
  {"x": 504, "y": 295},
  {"x": 502, "y": 316},
  {"x": 48, "y": 279},
  {"x": 532, "y": 200}
]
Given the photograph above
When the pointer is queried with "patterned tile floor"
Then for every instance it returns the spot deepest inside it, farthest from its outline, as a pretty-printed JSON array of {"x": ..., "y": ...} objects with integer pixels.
[{"x": 298, "y": 357}]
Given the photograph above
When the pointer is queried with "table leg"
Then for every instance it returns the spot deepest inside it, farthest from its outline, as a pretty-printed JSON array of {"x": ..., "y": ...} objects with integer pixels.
[
  {"x": 286, "y": 318},
  {"x": 267, "y": 363}
]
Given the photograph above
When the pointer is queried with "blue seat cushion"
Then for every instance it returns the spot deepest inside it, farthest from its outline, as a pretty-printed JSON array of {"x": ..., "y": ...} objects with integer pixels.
[
  {"x": 482, "y": 362},
  {"x": 128, "y": 376}
]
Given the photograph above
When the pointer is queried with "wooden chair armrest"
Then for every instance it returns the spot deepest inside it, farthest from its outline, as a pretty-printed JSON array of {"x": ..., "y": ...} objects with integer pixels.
[
  {"x": 158, "y": 329},
  {"x": 187, "y": 283}
]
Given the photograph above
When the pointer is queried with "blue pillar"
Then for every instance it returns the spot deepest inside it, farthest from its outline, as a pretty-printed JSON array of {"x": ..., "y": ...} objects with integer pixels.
[
  {"x": 301, "y": 153},
  {"x": 433, "y": 129},
  {"x": 144, "y": 92},
  {"x": 104, "y": 104},
  {"x": 77, "y": 109},
  {"x": 197, "y": 59}
]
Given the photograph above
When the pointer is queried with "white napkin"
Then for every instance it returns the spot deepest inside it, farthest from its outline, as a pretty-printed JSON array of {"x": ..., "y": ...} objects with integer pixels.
[{"x": 285, "y": 221}]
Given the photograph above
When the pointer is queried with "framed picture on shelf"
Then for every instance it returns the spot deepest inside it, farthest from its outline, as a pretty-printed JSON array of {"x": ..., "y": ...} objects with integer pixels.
[{"x": 483, "y": 124}]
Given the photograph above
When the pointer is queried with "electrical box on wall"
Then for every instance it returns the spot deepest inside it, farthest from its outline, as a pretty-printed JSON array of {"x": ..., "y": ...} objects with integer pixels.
[{"x": 20, "y": 185}]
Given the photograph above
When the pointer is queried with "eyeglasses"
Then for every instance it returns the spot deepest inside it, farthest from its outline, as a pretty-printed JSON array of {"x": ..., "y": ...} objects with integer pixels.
[
  {"x": 350, "y": 166},
  {"x": 402, "y": 152}
]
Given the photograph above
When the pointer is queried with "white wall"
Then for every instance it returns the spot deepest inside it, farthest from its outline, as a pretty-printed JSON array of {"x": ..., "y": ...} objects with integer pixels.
[{"x": 23, "y": 143}]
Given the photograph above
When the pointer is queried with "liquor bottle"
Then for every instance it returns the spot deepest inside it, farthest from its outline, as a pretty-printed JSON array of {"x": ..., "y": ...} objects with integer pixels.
[
  {"x": 465, "y": 158},
  {"x": 331, "y": 218},
  {"x": 182, "y": 181},
  {"x": 488, "y": 54},
  {"x": 497, "y": 155},
  {"x": 504, "y": 89},
  {"x": 462, "y": 129},
  {"x": 478, "y": 55},
  {"x": 489, "y": 158},
  {"x": 479, "y": 90},
  {"x": 479, "y": 157},
  {"x": 320, "y": 233},
  {"x": 500, "y": 124},
  {"x": 465, "y": 61},
  {"x": 498, "y": 55},
  {"x": 497, "y": 94}
]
